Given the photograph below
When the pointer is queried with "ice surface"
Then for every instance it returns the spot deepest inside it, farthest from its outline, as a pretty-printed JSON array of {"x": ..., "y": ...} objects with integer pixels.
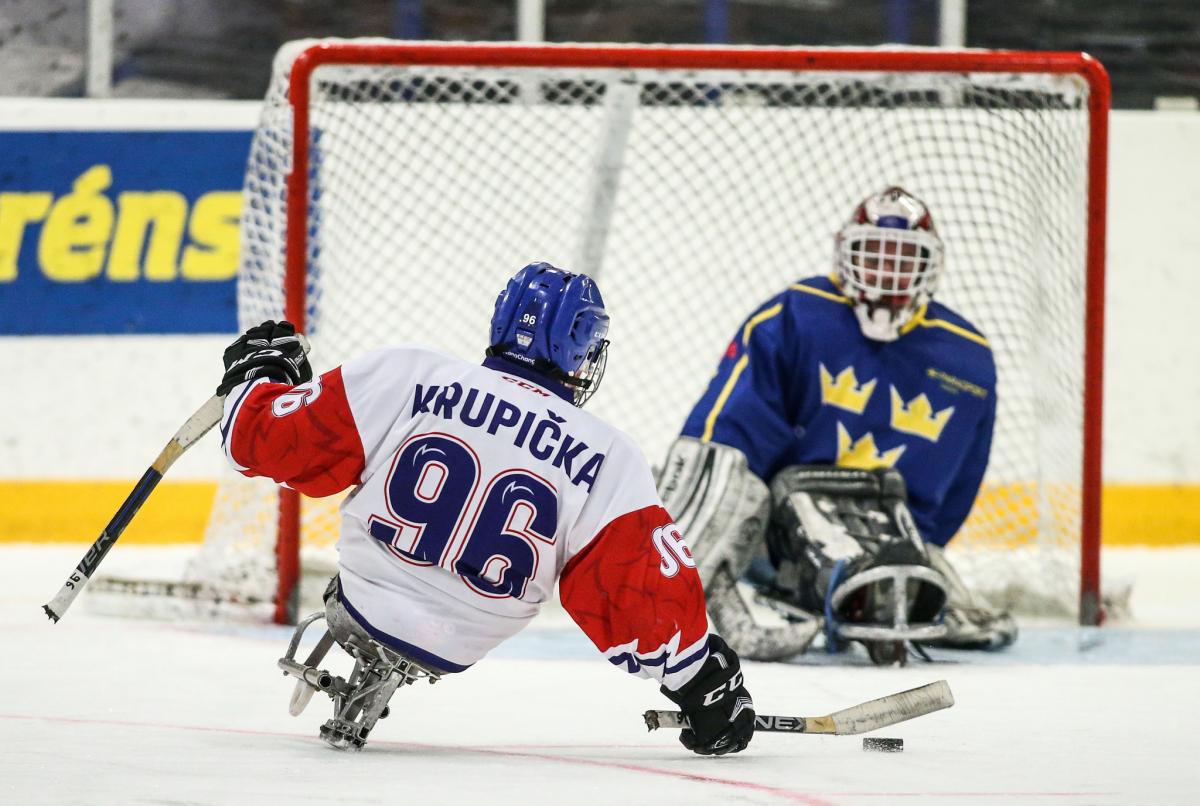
[{"x": 100, "y": 710}]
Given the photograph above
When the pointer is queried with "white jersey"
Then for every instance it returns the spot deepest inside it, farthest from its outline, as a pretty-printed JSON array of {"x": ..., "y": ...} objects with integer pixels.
[{"x": 475, "y": 489}]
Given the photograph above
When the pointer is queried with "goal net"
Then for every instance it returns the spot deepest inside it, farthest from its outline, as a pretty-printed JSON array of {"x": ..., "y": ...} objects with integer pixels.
[{"x": 693, "y": 183}]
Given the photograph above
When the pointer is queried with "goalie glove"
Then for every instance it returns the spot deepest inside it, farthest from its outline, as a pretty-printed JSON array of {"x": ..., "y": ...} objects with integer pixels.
[
  {"x": 270, "y": 350},
  {"x": 718, "y": 707}
]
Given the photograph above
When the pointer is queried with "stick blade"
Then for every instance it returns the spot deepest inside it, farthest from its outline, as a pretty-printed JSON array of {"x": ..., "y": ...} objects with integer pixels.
[{"x": 889, "y": 710}]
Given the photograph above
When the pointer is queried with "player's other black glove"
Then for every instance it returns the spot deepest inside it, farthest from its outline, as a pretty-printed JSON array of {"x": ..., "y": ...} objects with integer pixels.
[
  {"x": 716, "y": 704},
  {"x": 270, "y": 350}
]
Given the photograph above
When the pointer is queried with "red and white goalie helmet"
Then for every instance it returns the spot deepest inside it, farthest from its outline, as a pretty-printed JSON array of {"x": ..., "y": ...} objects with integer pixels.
[{"x": 889, "y": 258}]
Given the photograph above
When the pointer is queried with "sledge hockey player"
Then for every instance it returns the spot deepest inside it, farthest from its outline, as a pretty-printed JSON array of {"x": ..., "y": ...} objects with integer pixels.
[
  {"x": 475, "y": 489},
  {"x": 845, "y": 435}
]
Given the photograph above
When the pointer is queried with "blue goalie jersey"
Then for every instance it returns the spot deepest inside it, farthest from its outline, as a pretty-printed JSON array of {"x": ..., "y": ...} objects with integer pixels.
[{"x": 800, "y": 384}]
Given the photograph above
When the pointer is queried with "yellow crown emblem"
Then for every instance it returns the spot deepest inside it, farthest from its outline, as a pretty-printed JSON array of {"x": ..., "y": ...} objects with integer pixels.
[
  {"x": 862, "y": 453},
  {"x": 917, "y": 416},
  {"x": 845, "y": 392}
]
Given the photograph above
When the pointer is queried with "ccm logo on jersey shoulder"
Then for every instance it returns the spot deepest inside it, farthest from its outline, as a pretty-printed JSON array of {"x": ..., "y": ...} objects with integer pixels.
[{"x": 526, "y": 385}]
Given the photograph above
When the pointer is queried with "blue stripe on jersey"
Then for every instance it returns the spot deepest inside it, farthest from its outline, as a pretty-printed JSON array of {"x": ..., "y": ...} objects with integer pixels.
[
  {"x": 414, "y": 652},
  {"x": 633, "y": 664}
]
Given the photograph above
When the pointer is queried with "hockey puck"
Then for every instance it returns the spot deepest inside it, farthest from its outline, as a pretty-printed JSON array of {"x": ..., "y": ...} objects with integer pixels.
[{"x": 883, "y": 745}]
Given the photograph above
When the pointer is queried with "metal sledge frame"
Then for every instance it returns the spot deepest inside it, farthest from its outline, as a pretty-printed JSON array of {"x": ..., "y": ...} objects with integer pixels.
[{"x": 360, "y": 701}]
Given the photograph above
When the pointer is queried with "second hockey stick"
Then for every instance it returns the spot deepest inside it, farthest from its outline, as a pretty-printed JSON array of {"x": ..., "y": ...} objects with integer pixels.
[{"x": 899, "y": 707}]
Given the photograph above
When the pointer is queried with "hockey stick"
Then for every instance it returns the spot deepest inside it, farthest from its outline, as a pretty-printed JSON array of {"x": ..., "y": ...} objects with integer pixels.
[
  {"x": 196, "y": 426},
  {"x": 867, "y": 716}
]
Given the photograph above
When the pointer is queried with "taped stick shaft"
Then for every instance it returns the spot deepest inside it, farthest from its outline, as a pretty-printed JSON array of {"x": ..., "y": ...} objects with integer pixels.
[
  {"x": 899, "y": 707},
  {"x": 196, "y": 426},
  {"x": 199, "y": 424}
]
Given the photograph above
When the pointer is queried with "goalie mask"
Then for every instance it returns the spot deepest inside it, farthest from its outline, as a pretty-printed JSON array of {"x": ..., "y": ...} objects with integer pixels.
[
  {"x": 554, "y": 322},
  {"x": 888, "y": 259},
  {"x": 846, "y": 547}
]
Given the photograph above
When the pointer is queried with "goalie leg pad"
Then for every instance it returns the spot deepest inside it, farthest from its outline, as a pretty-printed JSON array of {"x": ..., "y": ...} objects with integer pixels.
[
  {"x": 733, "y": 617},
  {"x": 722, "y": 508},
  {"x": 717, "y": 503}
]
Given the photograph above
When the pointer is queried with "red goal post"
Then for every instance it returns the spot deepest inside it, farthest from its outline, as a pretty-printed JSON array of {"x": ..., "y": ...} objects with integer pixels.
[{"x": 688, "y": 63}]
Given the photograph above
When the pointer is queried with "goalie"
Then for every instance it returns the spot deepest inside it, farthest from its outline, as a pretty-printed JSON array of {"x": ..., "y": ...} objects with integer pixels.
[{"x": 844, "y": 436}]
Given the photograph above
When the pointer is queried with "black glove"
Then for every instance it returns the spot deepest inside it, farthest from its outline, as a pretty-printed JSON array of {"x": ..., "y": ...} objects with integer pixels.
[
  {"x": 270, "y": 350},
  {"x": 716, "y": 704}
]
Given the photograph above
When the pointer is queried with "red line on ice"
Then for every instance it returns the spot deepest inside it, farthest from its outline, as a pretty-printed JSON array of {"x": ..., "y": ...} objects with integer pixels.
[
  {"x": 813, "y": 800},
  {"x": 787, "y": 794},
  {"x": 971, "y": 794}
]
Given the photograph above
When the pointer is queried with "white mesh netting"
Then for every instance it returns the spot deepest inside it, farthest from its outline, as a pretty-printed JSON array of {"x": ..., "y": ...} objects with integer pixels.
[{"x": 692, "y": 195}]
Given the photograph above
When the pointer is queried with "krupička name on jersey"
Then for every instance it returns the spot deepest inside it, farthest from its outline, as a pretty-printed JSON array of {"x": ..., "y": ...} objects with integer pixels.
[{"x": 541, "y": 433}]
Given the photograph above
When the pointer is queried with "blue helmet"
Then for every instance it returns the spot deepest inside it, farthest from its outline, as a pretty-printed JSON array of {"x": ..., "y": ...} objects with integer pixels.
[{"x": 554, "y": 322}]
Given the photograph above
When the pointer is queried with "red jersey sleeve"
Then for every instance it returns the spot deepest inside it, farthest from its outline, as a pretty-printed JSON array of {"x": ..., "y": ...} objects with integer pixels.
[
  {"x": 635, "y": 592},
  {"x": 302, "y": 436}
]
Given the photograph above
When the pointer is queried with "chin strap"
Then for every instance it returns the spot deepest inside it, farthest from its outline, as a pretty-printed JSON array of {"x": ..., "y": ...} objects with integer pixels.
[
  {"x": 580, "y": 388},
  {"x": 541, "y": 366}
]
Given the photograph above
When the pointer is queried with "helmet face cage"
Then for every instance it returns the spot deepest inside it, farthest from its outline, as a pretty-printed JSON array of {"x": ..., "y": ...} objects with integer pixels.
[
  {"x": 587, "y": 378},
  {"x": 889, "y": 259}
]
